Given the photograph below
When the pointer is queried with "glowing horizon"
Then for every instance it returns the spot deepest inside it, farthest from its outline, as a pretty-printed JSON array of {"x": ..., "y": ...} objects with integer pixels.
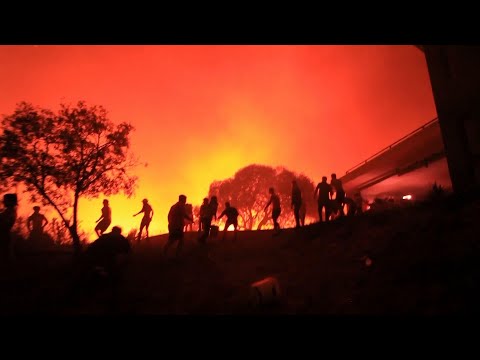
[{"x": 203, "y": 112}]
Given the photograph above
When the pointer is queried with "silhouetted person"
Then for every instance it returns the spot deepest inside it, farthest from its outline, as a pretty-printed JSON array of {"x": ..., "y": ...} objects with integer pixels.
[
  {"x": 207, "y": 214},
  {"x": 35, "y": 224},
  {"x": 105, "y": 262},
  {"x": 176, "y": 217},
  {"x": 339, "y": 192},
  {"x": 351, "y": 206},
  {"x": 147, "y": 218},
  {"x": 199, "y": 220},
  {"x": 232, "y": 219},
  {"x": 189, "y": 223},
  {"x": 205, "y": 219},
  {"x": 7, "y": 220},
  {"x": 296, "y": 202},
  {"x": 276, "y": 209},
  {"x": 104, "y": 220},
  {"x": 214, "y": 207},
  {"x": 105, "y": 251},
  {"x": 359, "y": 201},
  {"x": 324, "y": 193},
  {"x": 303, "y": 212}
]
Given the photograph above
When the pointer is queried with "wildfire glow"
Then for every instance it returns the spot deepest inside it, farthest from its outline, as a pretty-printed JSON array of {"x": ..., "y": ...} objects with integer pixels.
[
  {"x": 203, "y": 112},
  {"x": 407, "y": 197}
]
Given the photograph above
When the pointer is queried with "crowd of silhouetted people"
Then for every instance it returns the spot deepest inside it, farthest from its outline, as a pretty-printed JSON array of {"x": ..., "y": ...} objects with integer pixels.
[
  {"x": 104, "y": 252},
  {"x": 330, "y": 198},
  {"x": 105, "y": 259}
]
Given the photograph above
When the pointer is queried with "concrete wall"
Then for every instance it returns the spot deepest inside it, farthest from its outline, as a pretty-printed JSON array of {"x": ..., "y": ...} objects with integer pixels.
[{"x": 455, "y": 79}]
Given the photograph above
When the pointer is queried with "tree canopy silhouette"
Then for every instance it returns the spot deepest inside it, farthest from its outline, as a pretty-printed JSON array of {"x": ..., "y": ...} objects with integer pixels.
[
  {"x": 248, "y": 192},
  {"x": 62, "y": 156}
]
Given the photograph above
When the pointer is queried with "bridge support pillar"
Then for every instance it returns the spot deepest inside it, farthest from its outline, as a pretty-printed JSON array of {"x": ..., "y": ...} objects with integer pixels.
[{"x": 455, "y": 79}]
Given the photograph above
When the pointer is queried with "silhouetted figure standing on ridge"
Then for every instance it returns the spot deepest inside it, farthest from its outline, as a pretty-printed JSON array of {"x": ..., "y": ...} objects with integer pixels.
[
  {"x": 188, "y": 223},
  {"x": 303, "y": 212},
  {"x": 104, "y": 220},
  {"x": 147, "y": 218},
  {"x": 35, "y": 224},
  {"x": 205, "y": 220},
  {"x": 276, "y": 208},
  {"x": 296, "y": 202},
  {"x": 324, "y": 193},
  {"x": 208, "y": 211},
  {"x": 214, "y": 207},
  {"x": 339, "y": 192},
  {"x": 176, "y": 217},
  {"x": 7, "y": 220},
  {"x": 232, "y": 219}
]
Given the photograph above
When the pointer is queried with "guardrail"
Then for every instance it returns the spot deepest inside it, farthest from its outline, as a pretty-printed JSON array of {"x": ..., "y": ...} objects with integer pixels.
[
  {"x": 393, "y": 145},
  {"x": 401, "y": 171}
]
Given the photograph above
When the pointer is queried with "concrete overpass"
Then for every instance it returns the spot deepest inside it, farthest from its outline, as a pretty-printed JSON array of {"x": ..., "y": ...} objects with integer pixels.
[
  {"x": 455, "y": 78},
  {"x": 409, "y": 166}
]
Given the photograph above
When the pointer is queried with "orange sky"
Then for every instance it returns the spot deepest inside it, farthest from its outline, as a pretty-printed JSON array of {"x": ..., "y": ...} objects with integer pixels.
[{"x": 203, "y": 112}]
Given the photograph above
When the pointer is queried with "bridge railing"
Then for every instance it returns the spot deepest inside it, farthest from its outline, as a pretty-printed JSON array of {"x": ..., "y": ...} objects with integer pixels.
[{"x": 431, "y": 122}]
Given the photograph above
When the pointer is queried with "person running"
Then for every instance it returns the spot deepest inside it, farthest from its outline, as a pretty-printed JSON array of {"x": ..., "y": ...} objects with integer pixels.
[
  {"x": 104, "y": 220},
  {"x": 147, "y": 218},
  {"x": 232, "y": 219}
]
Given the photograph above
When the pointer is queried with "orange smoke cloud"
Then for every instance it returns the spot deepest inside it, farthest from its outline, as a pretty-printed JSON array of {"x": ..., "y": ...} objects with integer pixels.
[{"x": 203, "y": 112}]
